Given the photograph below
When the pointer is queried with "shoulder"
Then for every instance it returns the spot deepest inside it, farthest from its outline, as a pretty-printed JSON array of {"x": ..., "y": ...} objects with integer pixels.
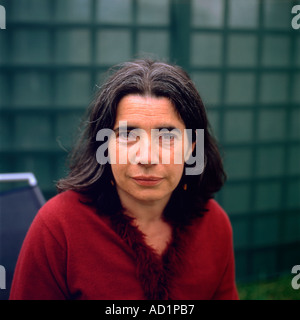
[
  {"x": 215, "y": 222},
  {"x": 216, "y": 213},
  {"x": 63, "y": 205},
  {"x": 64, "y": 215},
  {"x": 62, "y": 201}
]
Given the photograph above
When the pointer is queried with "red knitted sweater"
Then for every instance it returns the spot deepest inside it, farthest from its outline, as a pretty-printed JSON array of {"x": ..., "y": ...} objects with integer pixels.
[{"x": 71, "y": 252}]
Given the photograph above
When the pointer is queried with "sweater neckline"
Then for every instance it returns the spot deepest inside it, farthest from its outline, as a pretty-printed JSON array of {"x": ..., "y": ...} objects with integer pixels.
[{"x": 154, "y": 271}]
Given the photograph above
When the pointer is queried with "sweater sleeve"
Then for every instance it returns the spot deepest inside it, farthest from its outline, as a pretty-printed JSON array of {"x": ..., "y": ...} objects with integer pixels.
[
  {"x": 40, "y": 271},
  {"x": 227, "y": 289}
]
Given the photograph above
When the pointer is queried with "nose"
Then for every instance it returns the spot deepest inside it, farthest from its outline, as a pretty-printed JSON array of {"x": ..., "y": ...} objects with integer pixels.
[{"x": 147, "y": 153}]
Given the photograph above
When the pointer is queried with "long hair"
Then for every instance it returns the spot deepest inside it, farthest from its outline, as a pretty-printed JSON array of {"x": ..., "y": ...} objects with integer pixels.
[{"x": 157, "y": 79}]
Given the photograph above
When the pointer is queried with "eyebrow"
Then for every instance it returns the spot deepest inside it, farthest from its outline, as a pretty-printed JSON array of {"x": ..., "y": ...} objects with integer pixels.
[{"x": 130, "y": 128}]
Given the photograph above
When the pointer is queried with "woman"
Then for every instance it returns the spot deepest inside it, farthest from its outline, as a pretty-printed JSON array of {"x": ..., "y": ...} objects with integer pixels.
[{"x": 142, "y": 228}]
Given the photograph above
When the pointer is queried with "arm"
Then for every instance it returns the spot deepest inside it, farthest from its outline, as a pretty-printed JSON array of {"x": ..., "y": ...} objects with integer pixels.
[
  {"x": 227, "y": 289},
  {"x": 41, "y": 268}
]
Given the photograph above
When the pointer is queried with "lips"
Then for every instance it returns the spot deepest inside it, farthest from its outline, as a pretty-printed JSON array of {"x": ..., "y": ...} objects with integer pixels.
[{"x": 147, "y": 180}]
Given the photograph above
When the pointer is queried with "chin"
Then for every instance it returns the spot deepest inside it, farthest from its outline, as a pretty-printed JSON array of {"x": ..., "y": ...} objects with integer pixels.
[{"x": 149, "y": 196}]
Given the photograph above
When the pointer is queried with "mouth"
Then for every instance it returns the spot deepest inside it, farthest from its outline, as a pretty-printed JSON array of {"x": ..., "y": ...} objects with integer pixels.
[{"x": 147, "y": 180}]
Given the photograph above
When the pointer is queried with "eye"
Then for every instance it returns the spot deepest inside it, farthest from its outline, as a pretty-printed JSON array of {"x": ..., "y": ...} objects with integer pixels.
[
  {"x": 123, "y": 135},
  {"x": 167, "y": 137},
  {"x": 128, "y": 136}
]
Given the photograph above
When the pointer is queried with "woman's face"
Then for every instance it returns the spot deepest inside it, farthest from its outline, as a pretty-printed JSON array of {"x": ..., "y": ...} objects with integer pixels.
[{"x": 147, "y": 164}]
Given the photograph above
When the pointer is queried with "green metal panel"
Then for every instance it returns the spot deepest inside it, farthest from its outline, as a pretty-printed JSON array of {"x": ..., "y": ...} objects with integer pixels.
[{"x": 244, "y": 58}]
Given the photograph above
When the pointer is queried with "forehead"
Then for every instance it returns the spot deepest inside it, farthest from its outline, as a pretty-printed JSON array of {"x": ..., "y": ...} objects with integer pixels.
[{"x": 148, "y": 111}]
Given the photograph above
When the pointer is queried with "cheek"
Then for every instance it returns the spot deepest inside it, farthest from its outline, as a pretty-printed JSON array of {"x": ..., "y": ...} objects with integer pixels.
[
  {"x": 112, "y": 150},
  {"x": 118, "y": 171},
  {"x": 118, "y": 152},
  {"x": 179, "y": 152},
  {"x": 175, "y": 172}
]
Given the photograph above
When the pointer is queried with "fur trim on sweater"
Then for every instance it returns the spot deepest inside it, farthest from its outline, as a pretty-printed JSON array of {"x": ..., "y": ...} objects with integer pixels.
[{"x": 155, "y": 272}]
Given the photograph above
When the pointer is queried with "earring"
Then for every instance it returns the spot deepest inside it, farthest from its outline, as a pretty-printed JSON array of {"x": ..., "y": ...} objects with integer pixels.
[
  {"x": 112, "y": 183},
  {"x": 185, "y": 187}
]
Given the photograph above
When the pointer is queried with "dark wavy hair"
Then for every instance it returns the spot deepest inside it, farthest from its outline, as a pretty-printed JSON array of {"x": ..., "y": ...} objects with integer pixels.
[{"x": 157, "y": 79}]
